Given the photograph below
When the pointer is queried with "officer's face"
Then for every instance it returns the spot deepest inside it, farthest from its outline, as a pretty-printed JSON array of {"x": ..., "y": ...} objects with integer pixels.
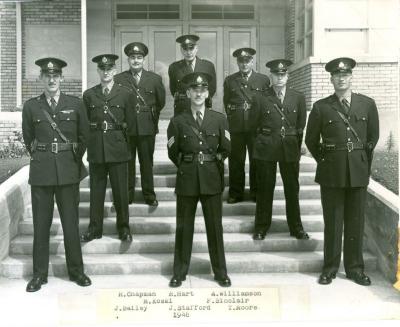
[
  {"x": 245, "y": 64},
  {"x": 106, "y": 74},
  {"x": 341, "y": 81},
  {"x": 51, "y": 81},
  {"x": 197, "y": 95},
  {"x": 189, "y": 51},
  {"x": 135, "y": 62},
  {"x": 279, "y": 79}
]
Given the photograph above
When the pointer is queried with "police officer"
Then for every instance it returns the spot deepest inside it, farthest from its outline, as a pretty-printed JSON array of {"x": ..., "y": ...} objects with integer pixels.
[
  {"x": 190, "y": 63},
  {"x": 280, "y": 120},
  {"x": 198, "y": 143},
  {"x": 109, "y": 108},
  {"x": 348, "y": 124},
  {"x": 239, "y": 89},
  {"x": 149, "y": 92},
  {"x": 54, "y": 127}
]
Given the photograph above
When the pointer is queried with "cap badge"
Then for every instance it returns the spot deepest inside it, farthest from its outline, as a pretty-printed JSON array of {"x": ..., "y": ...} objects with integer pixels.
[
  {"x": 341, "y": 64},
  {"x": 50, "y": 65},
  {"x": 135, "y": 48},
  {"x": 187, "y": 41},
  {"x": 280, "y": 66},
  {"x": 243, "y": 53},
  {"x": 104, "y": 60},
  {"x": 199, "y": 79}
]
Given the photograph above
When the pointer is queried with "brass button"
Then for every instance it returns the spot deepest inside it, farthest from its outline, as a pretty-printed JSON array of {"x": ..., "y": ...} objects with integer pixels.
[{"x": 55, "y": 139}]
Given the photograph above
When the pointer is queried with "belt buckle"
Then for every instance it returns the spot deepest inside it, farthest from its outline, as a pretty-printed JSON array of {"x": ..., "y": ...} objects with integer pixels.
[
  {"x": 200, "y": 157},
  {"x": 104, "y": 125},
  {"x": 350, "y": 146},
  {"x": 54, "y": 147},
  {"x": 246, "y": 106},
  {"x": 283, "y": 132}
]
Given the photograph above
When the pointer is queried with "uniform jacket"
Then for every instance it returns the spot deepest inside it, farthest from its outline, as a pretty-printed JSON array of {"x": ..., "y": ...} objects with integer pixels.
[
  {"x": 194, "y": 178},
  {"x": 342, "y": 168},
  {"x": 233, "y": 84},
  {"x": 109, "y": 146},
  {"x": 274, "y": 147},
  {"x": 179, "y": 69},
  {"x": 152, "y": 90},
  {"x": 47, "y": 168}
]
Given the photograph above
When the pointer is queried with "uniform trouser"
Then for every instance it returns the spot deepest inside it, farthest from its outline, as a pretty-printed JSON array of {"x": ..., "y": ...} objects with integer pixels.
[
  {"x": 343, "y": 206},
  {"x": 67, "y": 199},
  {"x": 144, "y": 145},
  {"x": 237, "y": 159},
  {"x": 118, "y": 172},
  {"x": 266, "y": 178},
  {"x": 186, "y": 210}
]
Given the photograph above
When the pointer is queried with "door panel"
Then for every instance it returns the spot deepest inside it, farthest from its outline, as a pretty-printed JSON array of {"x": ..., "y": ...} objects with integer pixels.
[{"x": 210, "y": 48}]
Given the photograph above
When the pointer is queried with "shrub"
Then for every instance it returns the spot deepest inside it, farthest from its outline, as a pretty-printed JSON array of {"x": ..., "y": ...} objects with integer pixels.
[{"x": 15, "y": 147}]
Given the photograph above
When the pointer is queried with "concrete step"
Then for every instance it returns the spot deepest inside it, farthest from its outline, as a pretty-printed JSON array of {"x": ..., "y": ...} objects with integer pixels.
[
  {"x": 168, "y": 193},
  {"x": 167, "y": 225},
  {"x": 305, "y": 178},
  {"x": 164, "y": 243},
  {"x": 168, "y": 208},
  {"x": 18, "y": 266}
]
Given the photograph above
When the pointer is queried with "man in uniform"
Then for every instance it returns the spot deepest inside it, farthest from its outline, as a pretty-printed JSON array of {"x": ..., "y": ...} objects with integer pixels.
[
  {"x": 54, "y": 127},
  {"x": 198, "y": 143},
  {"x": 239, "y": 89},
  {"x": 348, "y": 124},
  {"x": 280, "y": 120},
  {"x": 149, "y": 92},
  {"x": 190, "y": 63},
  {"x": 109, "y": 108}
]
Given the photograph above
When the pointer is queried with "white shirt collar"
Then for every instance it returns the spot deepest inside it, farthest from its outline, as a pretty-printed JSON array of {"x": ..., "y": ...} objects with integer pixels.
[
  {"x": 346, "y": 96},
  {"x": 193, "y": 63},
  {"x": 138, "y": 73},
  {"x": 283, "y": 90},
  {"x": 56, "y": 97},
  {"x": 202, "y": 110},
  {"x": 109, "y": 86}
]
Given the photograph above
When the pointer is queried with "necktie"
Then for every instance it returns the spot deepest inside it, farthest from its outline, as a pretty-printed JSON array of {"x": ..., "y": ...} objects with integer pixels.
[
  {"x": 191, "y": 66},
  {"x": 280, "y": 96},
  {"x": 136, "y": 78},
  {"x": 53, "y": 104},
  {"x": 199, "y": 120},
  {"x": 245, "y": 76},
  {"x": 346, "y": 105},
  {"x": 106, "y": 91}
]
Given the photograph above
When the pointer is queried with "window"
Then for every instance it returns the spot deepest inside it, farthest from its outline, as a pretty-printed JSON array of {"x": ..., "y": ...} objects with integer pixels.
[
  {"x": 238, "y": 11},
  {"x": 304, "y": 29},
  {"x": 147, "y": 11}
]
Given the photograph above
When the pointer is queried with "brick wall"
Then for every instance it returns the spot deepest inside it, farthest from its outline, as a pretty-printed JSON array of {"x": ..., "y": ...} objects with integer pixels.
[
  {"x": 63, "y": 12},
  {"x": 9, "y": 122},
  {"x": 8, "y": 51}
]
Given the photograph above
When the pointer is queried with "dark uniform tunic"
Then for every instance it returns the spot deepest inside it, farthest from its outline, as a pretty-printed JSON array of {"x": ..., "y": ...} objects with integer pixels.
[
  {"x": 108, "y": 152},
  {"x": 238, "y": 94},
  {"x": 343, "y": 173},
  {"x": 278, "y": 141},
  {"x": 199, "y": 180},
  {"x": 178, "y": 70},
  {"x": 143, "y": 133},
  {"x": 55, "y": 171}
]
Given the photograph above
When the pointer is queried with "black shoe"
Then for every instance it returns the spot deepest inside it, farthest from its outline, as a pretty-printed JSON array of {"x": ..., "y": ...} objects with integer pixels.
[
  {"x": 359, "y": 278},
  {"x": 300, "y": 234},
  {"x": 258, "y": 236},
  {"x": 326, "y": 278},
  {"x": 125, "y": 236},
  {"x": 224, "y": 281},
  {"x": 176, "y": 281},
  {"x": 153, "y": 203},
  {"x": 89, "y": 236},
  {"x": 232, "y": 200},
  {"x": 35, "y": 284},
  {"x": 81, "y": 280}
]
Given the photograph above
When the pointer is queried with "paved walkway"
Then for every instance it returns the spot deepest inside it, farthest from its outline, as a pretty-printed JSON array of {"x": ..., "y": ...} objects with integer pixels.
[{"x": 293, "y": 297}]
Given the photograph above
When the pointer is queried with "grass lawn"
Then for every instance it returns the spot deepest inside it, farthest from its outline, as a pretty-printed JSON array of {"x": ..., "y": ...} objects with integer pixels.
[
  {"x": 10, "y": 166},
  {"x": 385, "y": 169}
]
